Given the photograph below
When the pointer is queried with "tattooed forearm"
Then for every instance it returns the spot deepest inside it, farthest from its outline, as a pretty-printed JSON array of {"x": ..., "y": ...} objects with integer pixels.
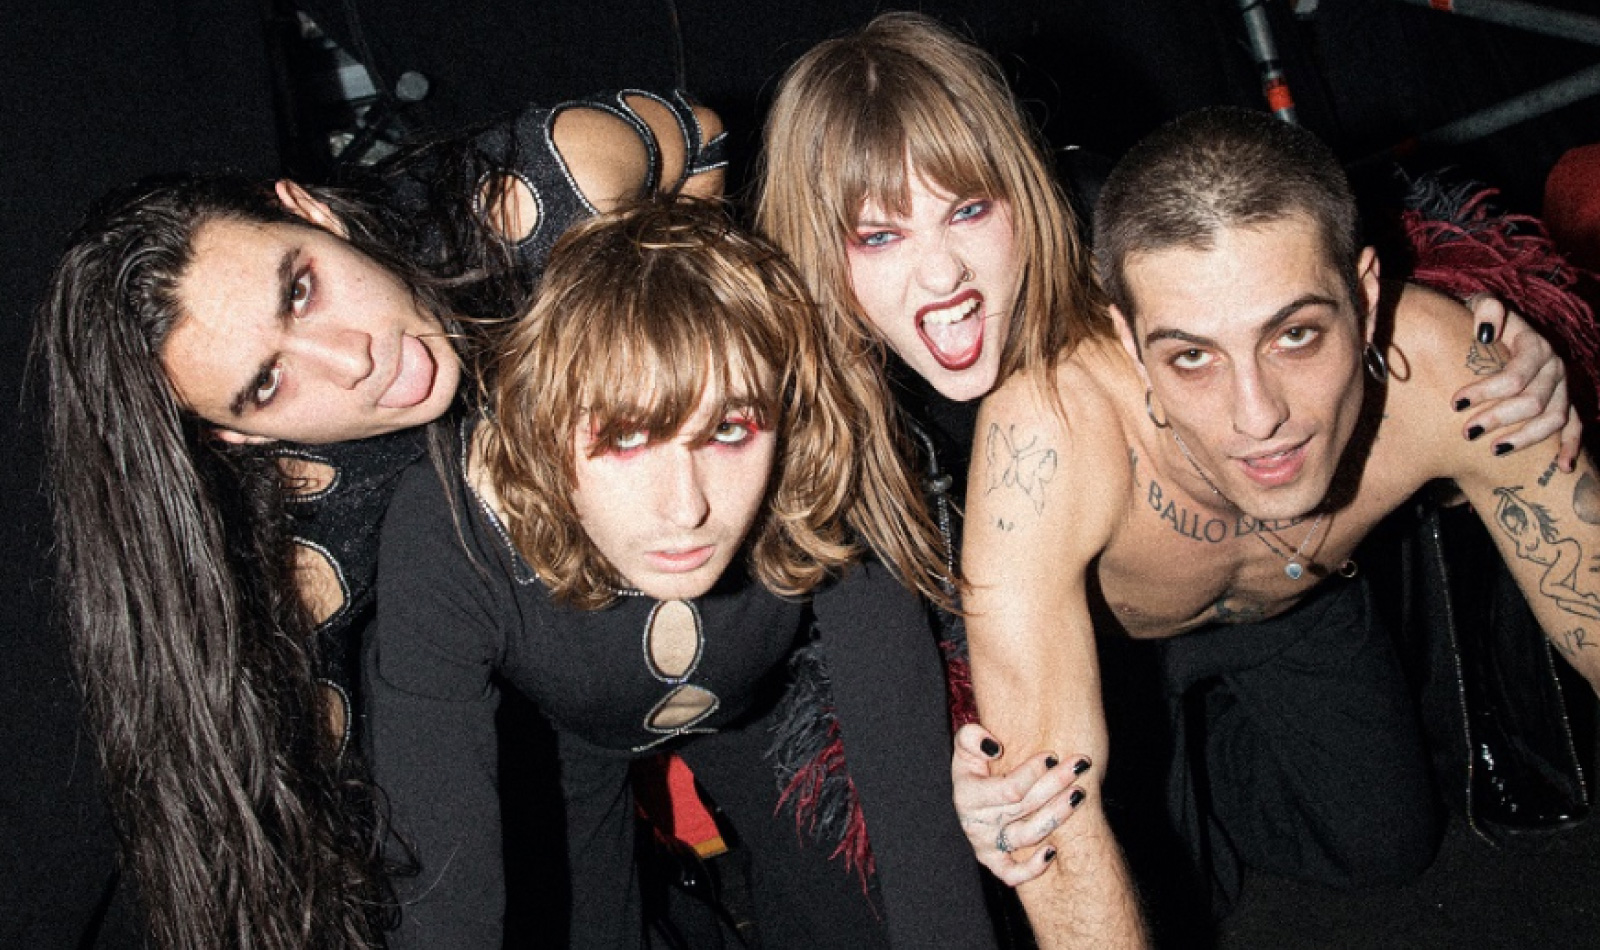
[
  {"x": 1572, "y": 641},
  {"x": 1538, "y": 539},
  {"x": 1013, "y": 463},
  {"x": 1549, "y": 473}
]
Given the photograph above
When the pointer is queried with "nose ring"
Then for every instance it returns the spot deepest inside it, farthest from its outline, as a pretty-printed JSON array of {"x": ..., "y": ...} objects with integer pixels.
[{"x": 966, "y": 274}]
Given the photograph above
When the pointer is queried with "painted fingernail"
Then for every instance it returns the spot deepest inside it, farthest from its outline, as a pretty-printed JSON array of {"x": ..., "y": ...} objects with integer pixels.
[
  {"x": 1077, "y": 797},
  {"x": 990, "y": 747},
  {"x": 1474, "y": 432},
  {"x": 1049, "y": 855},
  {"x": 1462, "y": 404},
  {"x": 1502, "y": 448},
  {"x": 1081, "y": 766},
  {"x": 1051, "y": 761},
  {"x": 1485, "y": 332}
]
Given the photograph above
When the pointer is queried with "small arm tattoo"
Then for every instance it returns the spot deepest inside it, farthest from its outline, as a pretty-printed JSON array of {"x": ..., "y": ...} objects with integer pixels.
[
  {"x": 1485, "y": 359},
  {"x": 1571, "y": 641},
  {"x": 1027, "y": 467}
]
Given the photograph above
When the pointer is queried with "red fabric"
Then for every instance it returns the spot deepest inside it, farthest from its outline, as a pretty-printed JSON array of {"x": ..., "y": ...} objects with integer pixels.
[
  {"x": 1572, "y": 205},
  {"x": 663, "y": 787},
  {"x": 1512, "y": 257}
]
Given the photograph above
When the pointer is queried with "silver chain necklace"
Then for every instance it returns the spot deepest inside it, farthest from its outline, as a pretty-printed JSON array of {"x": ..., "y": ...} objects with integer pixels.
[{"x": 1293, "y": 569}]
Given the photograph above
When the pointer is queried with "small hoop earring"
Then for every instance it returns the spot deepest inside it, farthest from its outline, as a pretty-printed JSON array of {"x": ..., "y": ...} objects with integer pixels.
[
  {"x": 1377, "y": 367},
  {"x": 1150, "y": 411}
]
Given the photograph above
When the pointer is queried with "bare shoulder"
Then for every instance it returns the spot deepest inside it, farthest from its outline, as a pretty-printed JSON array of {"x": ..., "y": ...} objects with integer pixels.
[
  {"x": 1432, "y": 354},
  {"x": 1433, "y": 344},
  {"x": 607, "y": 159},
  {"x": 1052, "y": 444}
]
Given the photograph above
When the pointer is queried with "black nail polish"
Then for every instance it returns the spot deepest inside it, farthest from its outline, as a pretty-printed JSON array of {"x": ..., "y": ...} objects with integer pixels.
[
  {"x": 1502, "y": 448},
  {"x": 1051, "y": 761},
  {"x": 1485, "y": 333},
  {"x": 1077, "y": 797},
  {"x": 1474, "y": 432},
  {"x": 1462, "y": 404},
  {"x": 1049, "y": 855},
  {"x": 990, "y": 747},
  {"x": 1081, "y": 766}
]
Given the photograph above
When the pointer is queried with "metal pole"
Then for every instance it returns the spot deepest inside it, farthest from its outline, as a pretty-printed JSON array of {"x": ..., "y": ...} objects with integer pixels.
[
  {"x": 1524, "y": 16},
  {"x": 1530, "y": 105},
  {"x": 1274, "y": 85}
]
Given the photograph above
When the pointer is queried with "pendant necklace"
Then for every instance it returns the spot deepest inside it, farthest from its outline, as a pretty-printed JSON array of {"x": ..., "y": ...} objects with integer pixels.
[{"x": 1292, "y": 569}]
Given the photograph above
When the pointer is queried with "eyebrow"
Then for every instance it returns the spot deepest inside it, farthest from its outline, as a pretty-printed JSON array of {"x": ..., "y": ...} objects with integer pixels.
[
  {"x": 1283, "y": 314},
  {"x": 244, "y": 397}
]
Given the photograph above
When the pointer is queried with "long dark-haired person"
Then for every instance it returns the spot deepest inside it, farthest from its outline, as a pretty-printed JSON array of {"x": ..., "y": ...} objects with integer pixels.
[{"x": 236, "y": 374}]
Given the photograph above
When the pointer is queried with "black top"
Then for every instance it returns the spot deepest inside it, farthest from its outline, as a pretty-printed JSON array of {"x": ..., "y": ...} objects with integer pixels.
[
  {"x": 459, "y": 614},
  {"x": 341, "y": 522}
]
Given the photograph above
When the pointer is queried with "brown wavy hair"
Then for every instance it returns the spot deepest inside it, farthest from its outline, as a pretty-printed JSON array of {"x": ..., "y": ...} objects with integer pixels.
[
  {"x": 856, "y": 113},
  {"x": 639, "y": 312}
]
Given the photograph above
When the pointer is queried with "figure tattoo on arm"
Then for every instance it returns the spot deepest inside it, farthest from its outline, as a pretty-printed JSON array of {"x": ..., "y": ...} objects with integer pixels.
[
  {"x": 1026, "y": 467},
  {"x": 1538, "y": 539}
]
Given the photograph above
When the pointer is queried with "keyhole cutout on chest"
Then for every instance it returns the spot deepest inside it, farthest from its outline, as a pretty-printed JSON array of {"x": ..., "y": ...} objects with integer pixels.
[
  {"x": 672, "y": 645},
  {"x": 673, "y": 640}
]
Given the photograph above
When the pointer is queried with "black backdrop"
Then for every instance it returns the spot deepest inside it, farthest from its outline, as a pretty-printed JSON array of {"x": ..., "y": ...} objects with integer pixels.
[{"x": 94, "y": 93}]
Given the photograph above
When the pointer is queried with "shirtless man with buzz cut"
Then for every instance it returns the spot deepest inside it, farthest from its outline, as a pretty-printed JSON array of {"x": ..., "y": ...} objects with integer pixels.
[{"x": 1202, "y": 473}]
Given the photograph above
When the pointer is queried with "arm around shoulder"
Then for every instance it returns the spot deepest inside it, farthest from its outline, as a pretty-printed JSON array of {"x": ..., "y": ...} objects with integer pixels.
[{"x": 1544, "y": 520}]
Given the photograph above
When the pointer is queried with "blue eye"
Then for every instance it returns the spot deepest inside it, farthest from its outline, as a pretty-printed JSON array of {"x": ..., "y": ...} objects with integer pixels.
[
  {"x": 875, "y": 238},
  {"x": 631, "y": 440},
  {"x": 971, "y": 211}
]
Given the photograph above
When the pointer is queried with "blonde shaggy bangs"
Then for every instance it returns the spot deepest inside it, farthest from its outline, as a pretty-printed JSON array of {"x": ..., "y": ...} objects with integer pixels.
[{"x": 640, "y": 310}]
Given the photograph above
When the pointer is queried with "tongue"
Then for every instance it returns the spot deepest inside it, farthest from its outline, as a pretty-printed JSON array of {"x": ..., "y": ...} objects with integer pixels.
[
  {"x": 954, "y": 342},
  {"x": 415, "y": 379}
]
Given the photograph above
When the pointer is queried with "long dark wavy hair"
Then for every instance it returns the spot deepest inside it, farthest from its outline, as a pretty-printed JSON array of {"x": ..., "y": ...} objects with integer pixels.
[{"x": 239, "y": 819}]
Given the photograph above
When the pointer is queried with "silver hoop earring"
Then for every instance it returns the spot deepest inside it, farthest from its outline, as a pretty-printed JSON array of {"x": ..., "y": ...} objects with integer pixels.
[
  {"x": 1151, "y": 412},
  {"x": 1377, "y": 367}
]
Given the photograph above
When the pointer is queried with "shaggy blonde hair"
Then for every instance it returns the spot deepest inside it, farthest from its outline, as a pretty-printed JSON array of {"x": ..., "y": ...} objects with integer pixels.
[
  {"x": 641, "y": 312},
  {"x": 856, "y": 115}
]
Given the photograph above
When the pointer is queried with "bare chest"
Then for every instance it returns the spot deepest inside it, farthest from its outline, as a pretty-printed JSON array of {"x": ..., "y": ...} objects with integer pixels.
[{"x": 1176, "y": 563}]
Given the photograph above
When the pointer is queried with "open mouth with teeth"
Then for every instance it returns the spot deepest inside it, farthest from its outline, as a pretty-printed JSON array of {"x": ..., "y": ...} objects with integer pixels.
[{"x": 953, "y": 331}]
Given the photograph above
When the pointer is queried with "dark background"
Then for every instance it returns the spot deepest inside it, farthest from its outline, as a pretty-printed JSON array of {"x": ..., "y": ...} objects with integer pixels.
[{"x": 95, "y": 93}]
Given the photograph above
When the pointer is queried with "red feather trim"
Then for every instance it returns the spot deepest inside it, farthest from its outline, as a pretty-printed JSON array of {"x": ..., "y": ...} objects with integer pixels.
[
  {"x": 1512, "y": 257},
  {"x": 805, "y": 788}
]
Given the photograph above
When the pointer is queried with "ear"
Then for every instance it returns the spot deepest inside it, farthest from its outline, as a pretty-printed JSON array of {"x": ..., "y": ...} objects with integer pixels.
[
  {"x": 306, "y": 205},
  {"x": 234, "y": 437},
  {"x": 1125, "y": 334},
  {"x": 1367, "y": 271}
]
